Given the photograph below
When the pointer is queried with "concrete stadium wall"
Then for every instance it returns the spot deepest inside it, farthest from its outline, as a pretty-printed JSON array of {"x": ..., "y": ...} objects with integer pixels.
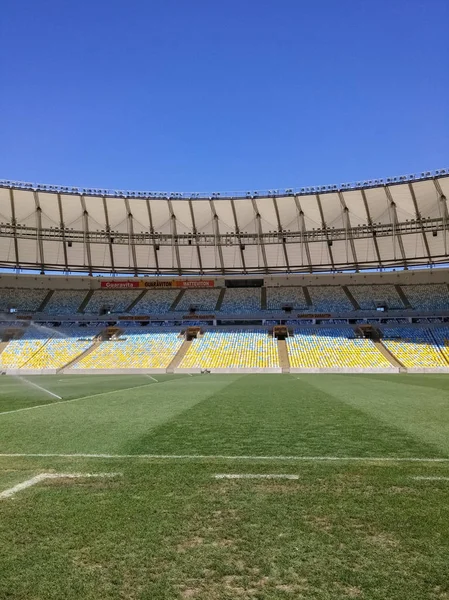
[
  {"x": 345, "y": 370},
  {"x": 113, "y": 371},
  {"x": 31, "y": 371},
  {"x": 429, "y": 370}
]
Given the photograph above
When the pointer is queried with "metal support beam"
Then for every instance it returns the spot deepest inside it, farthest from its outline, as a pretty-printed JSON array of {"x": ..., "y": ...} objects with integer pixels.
[
  {"x": 150, "y": 220},
  {"x": 324, "y": 226},
  {"x": 14, "y": 227},
  {"x": 132, "y": 246},
  {"x": 40, "y": 244},
  {"x": 86, "y": 234},
  {"x": 395, "y": 221},
  {"x": 347, "y": 222},
  {"x": 281, "y": 233},
  {"x": 443, "y": 211},
  {"x": 237, "y": 231},
  {"x": 108, "y": 231},
  {"x": 302, "y": 231},
  {"x": 373, "y": 230},
  {"x": 175, "y": 236},
  {"x": 419, "y": 219},
  {"x": 195, "y": 233},
  {"x": 260, "y": 233},
  {"x": 217, "y": 236},
  {"x": 62, "y": 227}
]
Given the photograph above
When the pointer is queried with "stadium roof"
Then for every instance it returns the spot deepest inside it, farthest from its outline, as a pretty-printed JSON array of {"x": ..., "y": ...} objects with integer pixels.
[{"x": 366, "y": 225}]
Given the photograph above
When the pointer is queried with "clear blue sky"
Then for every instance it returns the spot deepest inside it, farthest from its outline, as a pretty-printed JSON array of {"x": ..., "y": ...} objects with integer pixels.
[{"x": 235, "y": 95}]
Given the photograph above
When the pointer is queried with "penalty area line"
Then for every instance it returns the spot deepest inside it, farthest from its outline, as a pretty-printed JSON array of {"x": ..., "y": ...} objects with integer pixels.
[
  {"x": 192, "y": 457},
  {"x": 43, "y": 476},
  {"x": 152, "y": 378},
  {"x": 254, "y": 476}
]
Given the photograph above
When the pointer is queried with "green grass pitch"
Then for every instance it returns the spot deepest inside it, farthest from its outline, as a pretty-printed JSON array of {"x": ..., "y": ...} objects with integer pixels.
[{"x": 362, "y": 520}]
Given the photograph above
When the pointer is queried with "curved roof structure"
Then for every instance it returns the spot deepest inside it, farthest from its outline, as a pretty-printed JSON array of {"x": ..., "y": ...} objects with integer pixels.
[{"x": 382, "y": 223}]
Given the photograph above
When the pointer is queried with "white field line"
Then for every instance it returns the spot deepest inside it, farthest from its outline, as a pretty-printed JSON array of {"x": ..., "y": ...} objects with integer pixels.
[
  {"x": 39, "y": 387},
  {"x": 430, "y": 478},
  {"x": 386, "y": 459},
  {"x": 254, "y": 476},
  {"x": 8, "y": 412},
  {"x": 152, "y": 378},
  {"x": 43, "y": 476}
]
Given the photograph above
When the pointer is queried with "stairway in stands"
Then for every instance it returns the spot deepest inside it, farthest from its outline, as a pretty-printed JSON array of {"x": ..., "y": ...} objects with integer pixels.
[
  {"x": 179, "y": 356},
  {"x": 73, "y": 362},
  {"x": 389, "y": 356},
  {"x": 284, "y": 361}
]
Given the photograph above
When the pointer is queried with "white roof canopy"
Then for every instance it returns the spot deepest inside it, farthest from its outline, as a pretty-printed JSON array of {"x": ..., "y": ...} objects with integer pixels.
[{"x": 398, "y": 223}]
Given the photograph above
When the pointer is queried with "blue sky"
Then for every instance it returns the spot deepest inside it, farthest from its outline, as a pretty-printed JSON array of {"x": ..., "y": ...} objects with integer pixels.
[{"x": 213, "y": 96}]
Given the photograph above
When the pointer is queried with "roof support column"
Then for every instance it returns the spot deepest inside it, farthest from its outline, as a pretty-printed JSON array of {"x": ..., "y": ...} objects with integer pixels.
[
  {"x": 14, "y": 228},
  {"x": 175, "y": 245},
  {"x": 348, "y": 228},
  {"x": 443, "y": 211},
  {"x": 394, "y": 220},
  {"x": 324, "y": 226},
  {"x": 281, "y": 233},
  {"x": 237, "y": 231},
  {"x": 418, "y": 217},
  {"x": 155, "y": 246},
  {"x": 108, "y": 231},
  {"x": 86, "y": 234},
  {"x": 195, "y": 233},
  {"x": 303, "y": 238},
  {"x": 259, "y": 234},
  {"x": 62, "y": 227},
  {"x": 371, "y": 226},
  {"x": 131, "y": 240},
  {"x": 40, "y": 243},
  {"x": 217, "y": 236}
]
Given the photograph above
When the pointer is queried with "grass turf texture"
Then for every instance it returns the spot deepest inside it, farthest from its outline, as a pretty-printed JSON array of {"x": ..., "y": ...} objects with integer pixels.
[{"x": 167, "y": 529}]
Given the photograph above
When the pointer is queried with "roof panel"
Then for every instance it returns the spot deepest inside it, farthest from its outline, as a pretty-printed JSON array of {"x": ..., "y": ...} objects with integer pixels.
[
  {"x": 210, "y": 258},
  {"x": 309, "y": 206},
  {"x": 160, "y": 213},
  {"x": 365, "y": 251},
  {"x": 288, "y": 213},
  {"x": 141, "y": 219},
  {"x": 7, "y": 251},
  {"x": 232, "y": 257},
  {"x": 72, "y": 211},
  {"x": 145, "y": 256},
  {"x": 378, "y": 205},
  {"x": 49, "y": 209},
  {"x": 76, "y": 255},
  {"x": 25, "y": 208},
  {"x": 96, "y": 214},
  {"x": 319, "y": 253},
  {"x": 123, "y": 256},
  {"x": 204, "y": 219},
  {"x": 297, "y": 256},
  {"x": 332, "y": 210},
  {"x": 268, "y": 218},
  {"x": 181, "y": 210},
  {"x": 402, "y": 197},
  {"x": 413, "y": 246},
  {"x": 53, "y": 253},
  {"x": 226, "y": 222},
  {"x": 100, "y": 256},
  {"x": 28, "y": 251},
  {"x": 246, "y": 217},
  {"x": 354, "y": 202},
  {"x": 5, "y": 206},
  {"x": 189, "y": 257},
  {"x": 253, "y": 257},
  {"x": 275, "y": 256},
  {"x": 117, "y": 214},
  {"x": 166, "y": 258},
  {"x": 427, "y": 198}
]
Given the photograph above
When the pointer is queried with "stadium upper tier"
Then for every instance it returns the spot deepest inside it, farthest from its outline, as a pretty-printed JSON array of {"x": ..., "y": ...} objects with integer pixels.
[
  {"x": 381, "y": 223},
  {"x": 331, "y": 299}
]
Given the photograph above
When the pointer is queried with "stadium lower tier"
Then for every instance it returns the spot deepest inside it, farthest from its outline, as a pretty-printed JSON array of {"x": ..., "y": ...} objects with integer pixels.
[{"x": 79, "y": 348}]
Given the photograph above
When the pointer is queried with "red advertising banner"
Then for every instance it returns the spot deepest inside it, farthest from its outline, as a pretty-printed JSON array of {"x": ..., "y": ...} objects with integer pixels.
[{"x": 154, "y": 283}]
